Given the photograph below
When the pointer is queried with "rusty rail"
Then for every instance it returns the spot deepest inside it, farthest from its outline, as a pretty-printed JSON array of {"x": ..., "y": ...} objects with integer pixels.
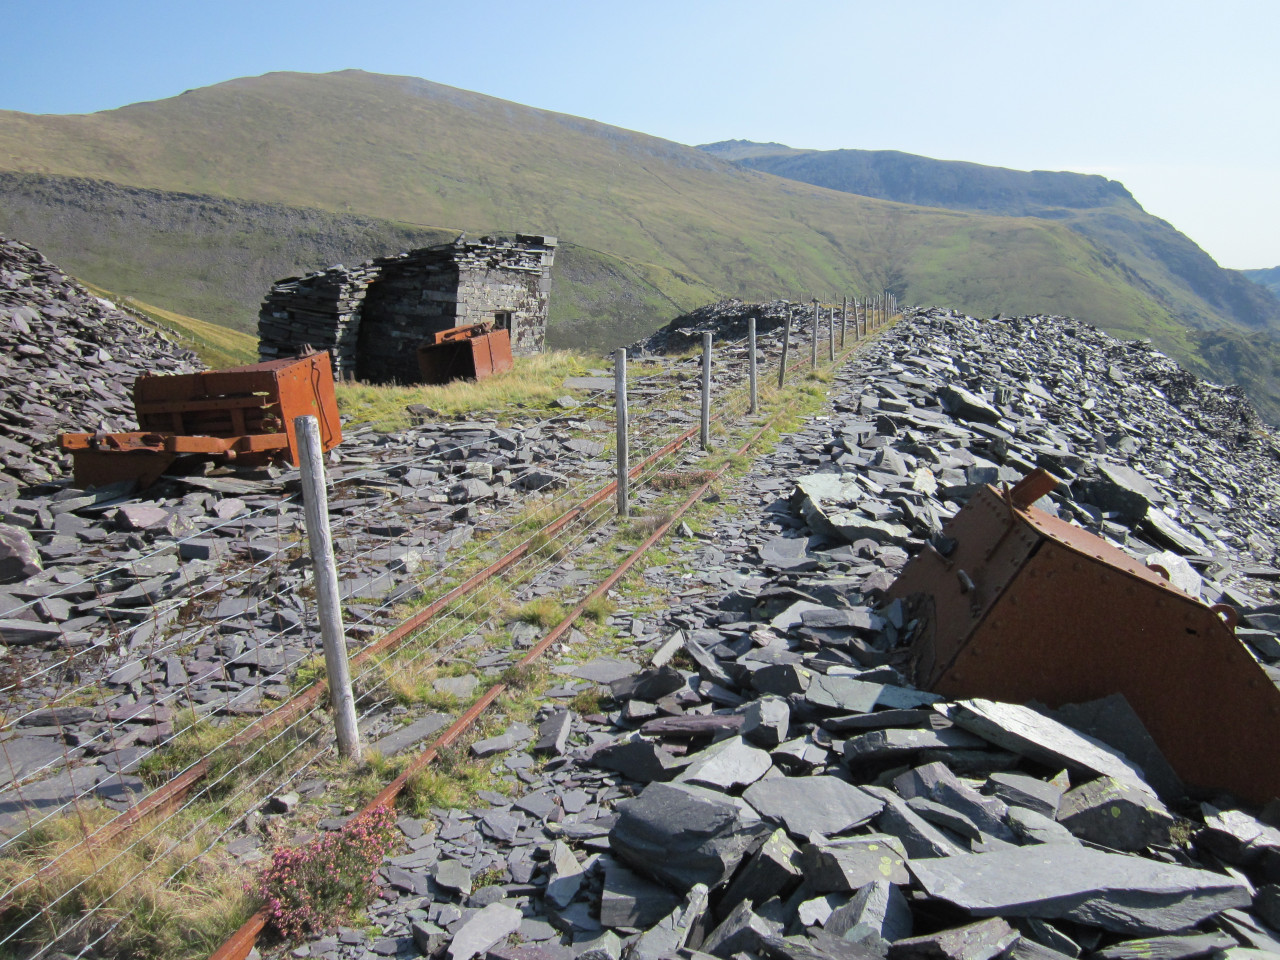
[{"x": 238, "y": 946}]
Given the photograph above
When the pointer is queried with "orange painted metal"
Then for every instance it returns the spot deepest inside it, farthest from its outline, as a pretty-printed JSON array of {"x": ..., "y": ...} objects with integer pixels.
[
  {"x": 1028, "y": 607},
  {"x": 243, "y": 414},
  {"x": 465, "y": 353}
]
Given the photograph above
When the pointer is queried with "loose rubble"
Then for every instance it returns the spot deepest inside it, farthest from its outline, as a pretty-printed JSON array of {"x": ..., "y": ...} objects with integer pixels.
[
  {"x": 762, "y": 782},
  {"x": 68, "y": 360}
]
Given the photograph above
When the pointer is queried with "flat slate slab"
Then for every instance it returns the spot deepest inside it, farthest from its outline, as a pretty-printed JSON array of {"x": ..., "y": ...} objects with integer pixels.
[
  {"x": 822, "y": 804},
  {"x": 1043, "y": 739},
  {"x": 1053, "y": 881}
]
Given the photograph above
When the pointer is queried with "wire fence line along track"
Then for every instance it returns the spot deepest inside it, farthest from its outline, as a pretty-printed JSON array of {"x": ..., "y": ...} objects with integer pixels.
[{"x": 301, "y": 709}]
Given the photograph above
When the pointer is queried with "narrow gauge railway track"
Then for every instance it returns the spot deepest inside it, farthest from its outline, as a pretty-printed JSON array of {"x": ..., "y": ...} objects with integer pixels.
[{"x": 170, "y": 796}]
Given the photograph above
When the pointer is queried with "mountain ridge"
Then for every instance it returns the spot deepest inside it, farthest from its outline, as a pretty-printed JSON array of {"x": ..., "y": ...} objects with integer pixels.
[{"x": 666, "y": 226}]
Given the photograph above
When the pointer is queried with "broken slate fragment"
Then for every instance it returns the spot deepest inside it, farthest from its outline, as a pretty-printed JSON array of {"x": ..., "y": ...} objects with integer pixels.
[
  {"x": 823, "y": 804},
  {"x": 484, "y": 928},
  {"x": 1115, "y": 815},
  {"x": 740, "y": 932},
  {"x": 639, "y": 759},
  {"x": 766, "y": 721},
  {"x": 772, "y": 871},
  {"x": 453, "y": 875},
  {"x": 683, "y": 836},
  {"x": 1043, "y": 739},
  {"x": 1182, "y": 947},
  {"x": 669, "y": 935},
  {"x": 977, "y": 941},
  {"x": 629, "y": 900},
  {"x": 649, "y": 685},
  {"x": 553, "y": 733},
  {"x": 902, "y": 743},
  {"x": 878, "y": 910},
  {"x": 1115, "y": 891},
  {"x": 727, "y": 765},
  {"x": 847, "y": 865}
]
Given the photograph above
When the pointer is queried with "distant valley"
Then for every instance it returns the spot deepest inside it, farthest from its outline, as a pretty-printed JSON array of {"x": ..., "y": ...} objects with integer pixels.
[{"x": 197, "y": 202}]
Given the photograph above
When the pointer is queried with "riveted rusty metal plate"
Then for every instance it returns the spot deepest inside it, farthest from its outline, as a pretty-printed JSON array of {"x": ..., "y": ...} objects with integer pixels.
[
  {"x": 1028, "y": 607},
  {"x": 465, "y": 353}
]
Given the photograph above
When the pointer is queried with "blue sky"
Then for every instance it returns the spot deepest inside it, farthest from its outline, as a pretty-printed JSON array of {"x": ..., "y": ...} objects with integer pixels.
[{"x": 1176, "y": 99}]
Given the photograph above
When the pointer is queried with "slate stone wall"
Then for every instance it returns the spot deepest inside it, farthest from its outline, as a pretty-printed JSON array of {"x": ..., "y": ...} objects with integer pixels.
[{"x": 372, "y": 318}]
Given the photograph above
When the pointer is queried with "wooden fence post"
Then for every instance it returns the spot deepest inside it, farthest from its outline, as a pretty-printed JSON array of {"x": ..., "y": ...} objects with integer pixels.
[
  {"x": 315, "y": 500},
  {"x": 620, "y": 398}
]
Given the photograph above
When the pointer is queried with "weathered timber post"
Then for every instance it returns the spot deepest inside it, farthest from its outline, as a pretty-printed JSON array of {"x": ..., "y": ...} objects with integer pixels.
[
  {"x": 813, "y": 341},
  {"x": 315, "y": 501},
  {"x": 844, "y": 321},
  {"x": 831, "y": 336},
  {"x": 752, "y": 365},
  {"x": 620, "y": 398},
  {"x": 786, "y": 348},
  {"x": 706, "y": 391}
]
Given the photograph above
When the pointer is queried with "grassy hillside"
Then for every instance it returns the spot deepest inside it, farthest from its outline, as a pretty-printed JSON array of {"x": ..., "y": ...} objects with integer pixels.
[
  {"x": 1268, "y": 277},
  {"x": 652, "y": 227},
  {"x": 1222, "y": 326},
  {"x": 216, "y": 257}
]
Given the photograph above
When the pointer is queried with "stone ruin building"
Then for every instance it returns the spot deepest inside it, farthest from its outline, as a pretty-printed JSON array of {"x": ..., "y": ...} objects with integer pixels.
[{"x": 373, "y": 317}]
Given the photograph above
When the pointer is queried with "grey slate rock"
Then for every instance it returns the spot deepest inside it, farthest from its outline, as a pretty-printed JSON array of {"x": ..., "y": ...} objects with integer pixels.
[
  {"x": 670, "y": 934},
  {"x": 482, "y": 930},
  {"x": 565, "y": 876},
  {"x": 553, "y": 733},
  {"x": 1041, "y": 738},
  {"x": 639, "y": 759},
  {"x": 878, "y": 910},
  {"x": 821, "y": 804},
  {"x": 740, "y": 932},
  {"x": 902, "y": 743},
  {"x": 1020, "y": 790},
  {"x": 1115, "y": 815},
  {"x": 976, "y": 941},
  {"x": 630, "y": 900},
  {"x": 766, "y": 721},
  {"x": 682, "y": 836},
  {"x": 652, "y": 684},
  {"x": 772, "y": 871},
  {"x": 1237, "y": 837},
  {"x": 726, "y": 765},
  {"x": 848, "y": 864},
  {"x": 453, "y": 875},
  {"x": 1032, "y": 827},
  {"x": 1113, "y": 891},
  {"x": 921, "y": 839},
  {"x": 1183, "y": 947},
  {"x": 19, "y": 558},
  {"x": 1114, "y": 722}
]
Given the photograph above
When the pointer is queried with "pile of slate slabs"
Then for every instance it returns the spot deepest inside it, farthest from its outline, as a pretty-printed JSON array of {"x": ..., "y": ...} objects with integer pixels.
[{"x": 761, "y": 781}]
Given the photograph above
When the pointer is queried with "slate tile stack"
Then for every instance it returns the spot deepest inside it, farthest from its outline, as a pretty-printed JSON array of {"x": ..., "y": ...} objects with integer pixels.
[
  {"x": 68, "y": 360},
  {"x": 760, "y": 781},
  {"x": 321, "y": 309}
]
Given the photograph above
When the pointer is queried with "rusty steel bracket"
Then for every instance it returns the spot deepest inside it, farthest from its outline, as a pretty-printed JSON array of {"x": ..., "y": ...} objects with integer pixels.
[{"x": 1029, "y": 607}]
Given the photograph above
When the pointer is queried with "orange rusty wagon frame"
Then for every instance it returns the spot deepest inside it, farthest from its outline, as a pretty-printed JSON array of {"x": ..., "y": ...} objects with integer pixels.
[
  {"x": 1028, "y": 607},
  {"x": 472, "y": 352},
  {"x": 243, "y": 414}
]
